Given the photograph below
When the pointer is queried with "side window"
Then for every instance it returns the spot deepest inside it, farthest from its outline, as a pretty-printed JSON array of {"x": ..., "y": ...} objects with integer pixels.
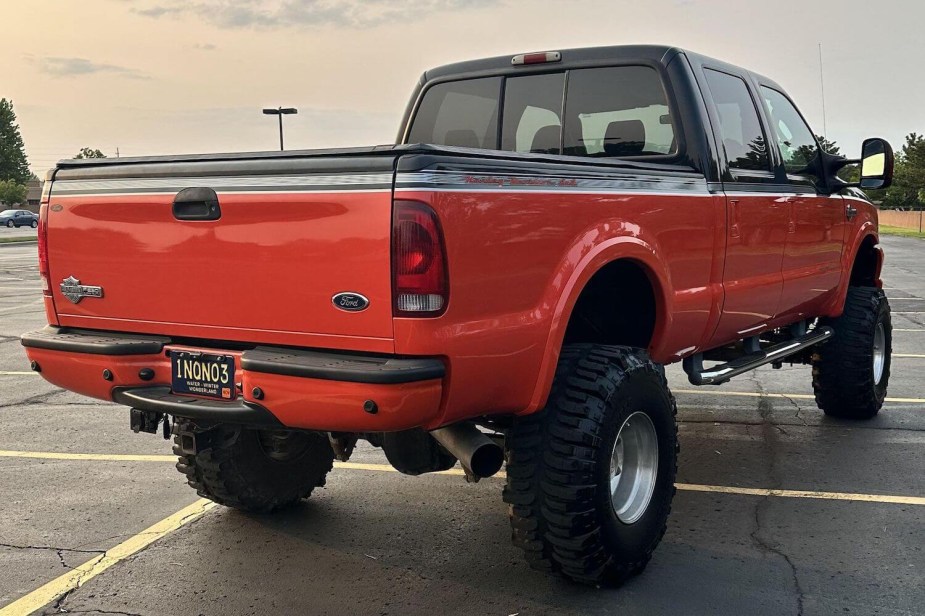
[
  {"x": 459, "y": 113},
  {"x": 798, "y": 147},
  {"x": 617, "y": 111},
  {"x": 532, "y": 105},
  {"x": 743, "y": 139}
]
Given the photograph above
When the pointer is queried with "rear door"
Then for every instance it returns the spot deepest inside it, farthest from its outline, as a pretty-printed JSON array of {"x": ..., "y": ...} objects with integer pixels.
[
  {"x": 812, "y": 257},
  {"x": 757, "y": 215}
]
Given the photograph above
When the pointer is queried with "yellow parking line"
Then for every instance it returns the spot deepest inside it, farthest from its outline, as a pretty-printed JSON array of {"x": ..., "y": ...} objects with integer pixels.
[
  {"x": 899, "y": 329},
  {"x": 78, "y": 576},
  {"x": 96, "y": 457},
  {"x": 16, "y": 373},
  {"x": 841, "y": 496},
  {"x": 914, "y": 355},
  {"x": 750, "y": 394},
  {"x": 385, "y": 468}
]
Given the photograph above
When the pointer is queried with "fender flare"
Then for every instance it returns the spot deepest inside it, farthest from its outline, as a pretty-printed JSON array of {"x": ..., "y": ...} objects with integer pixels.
[
  {"x": 621, "y": 247},
  {"x": 867, "y": 230}
]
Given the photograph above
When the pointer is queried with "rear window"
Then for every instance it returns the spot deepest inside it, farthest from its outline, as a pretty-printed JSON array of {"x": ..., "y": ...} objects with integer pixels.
[
  {"x": 459, "y": 113},
  {"x": 532, "y": 105},
  {"x": 602, "y": 112},
  {"x": 617, "y": 111}
]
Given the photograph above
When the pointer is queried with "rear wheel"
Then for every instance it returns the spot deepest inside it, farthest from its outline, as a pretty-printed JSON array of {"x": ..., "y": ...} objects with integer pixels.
[
  {"x": 591, "y": 476},
  {"x": 35, "y": 224},
  {"x": 852, "y": 370},
  {"x": 253, "y": 470}
]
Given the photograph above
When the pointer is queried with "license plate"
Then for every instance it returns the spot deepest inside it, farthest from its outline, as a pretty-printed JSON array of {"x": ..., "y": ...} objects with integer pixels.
[{"x": 202, "y": 374}]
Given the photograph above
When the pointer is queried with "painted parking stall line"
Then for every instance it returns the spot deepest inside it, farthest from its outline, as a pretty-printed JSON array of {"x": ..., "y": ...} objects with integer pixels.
[
  {"x": 751, "y": 394},
  {"x": 91, "y": 457},
  {"x": 385, "y": 468},
  {"x": 78, "y": 576}
]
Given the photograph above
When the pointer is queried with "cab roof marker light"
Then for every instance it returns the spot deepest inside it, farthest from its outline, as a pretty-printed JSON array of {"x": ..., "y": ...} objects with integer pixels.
[{"x": 541, "y": 57}]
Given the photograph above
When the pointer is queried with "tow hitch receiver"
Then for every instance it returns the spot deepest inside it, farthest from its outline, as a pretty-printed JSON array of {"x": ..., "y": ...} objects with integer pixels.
[{"x": 147, "y": 421}]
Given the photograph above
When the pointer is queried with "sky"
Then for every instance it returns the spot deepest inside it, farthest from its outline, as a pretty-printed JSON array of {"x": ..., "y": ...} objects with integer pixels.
[{"x": 179, "y": 76}]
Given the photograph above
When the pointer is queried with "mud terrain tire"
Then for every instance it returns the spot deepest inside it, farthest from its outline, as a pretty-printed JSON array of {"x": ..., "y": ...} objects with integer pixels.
[
  {"x": 254, "y": 470},
  {"x": 561, "y": 462},
  {"x": 846, "y": 379}
]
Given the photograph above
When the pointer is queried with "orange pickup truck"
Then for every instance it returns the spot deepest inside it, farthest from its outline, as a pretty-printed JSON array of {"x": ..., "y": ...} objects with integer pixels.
[{"x": 503, "y": 285}]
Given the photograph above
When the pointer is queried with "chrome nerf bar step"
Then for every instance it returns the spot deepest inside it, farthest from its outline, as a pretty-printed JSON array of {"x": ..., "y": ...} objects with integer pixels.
[{"x": 720, "y": 373}]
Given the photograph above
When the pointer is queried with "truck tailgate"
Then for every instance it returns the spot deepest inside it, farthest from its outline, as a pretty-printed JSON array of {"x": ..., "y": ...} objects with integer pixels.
[{"x": 265, "y": 271}]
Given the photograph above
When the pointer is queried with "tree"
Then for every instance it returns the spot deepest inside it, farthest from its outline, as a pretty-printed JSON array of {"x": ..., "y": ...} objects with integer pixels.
[
  {"x": 13, "y": 163},
  {"x": 848, "y": 173},
  {"x": 909, "y": 177},
  {"x": 12, "y": 192},
  {"x": 89, "y": 153},
  {"x": 828, "y": 146},
  {"x": 907, "y": 192}
]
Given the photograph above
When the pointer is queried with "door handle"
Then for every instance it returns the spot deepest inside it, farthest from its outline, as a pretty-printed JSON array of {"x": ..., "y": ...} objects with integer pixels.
[
  {"x": 198, "y": 203},
  {"x": 733, "y": 218},
  {"x": 850, "y": 211}
]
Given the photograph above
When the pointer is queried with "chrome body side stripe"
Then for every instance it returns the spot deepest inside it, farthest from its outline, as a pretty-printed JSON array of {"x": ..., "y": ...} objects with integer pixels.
[
  {"x": 457, "y": 181},
  {"x": 505, "y": 182},
  {"x": 234, "y": 184}
]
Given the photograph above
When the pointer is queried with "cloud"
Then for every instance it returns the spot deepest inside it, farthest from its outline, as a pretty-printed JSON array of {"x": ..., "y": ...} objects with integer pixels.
[
  {"x": 272, "y": 14},
  {"x": 74, "y": 67}
]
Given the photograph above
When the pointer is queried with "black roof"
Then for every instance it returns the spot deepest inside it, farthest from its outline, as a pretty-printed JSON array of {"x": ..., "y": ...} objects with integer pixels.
[{"x": 660, "y": 54}]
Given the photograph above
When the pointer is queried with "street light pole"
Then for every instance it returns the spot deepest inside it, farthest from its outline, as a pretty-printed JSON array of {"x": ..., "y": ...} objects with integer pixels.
[{"x": 280, "y": 112}]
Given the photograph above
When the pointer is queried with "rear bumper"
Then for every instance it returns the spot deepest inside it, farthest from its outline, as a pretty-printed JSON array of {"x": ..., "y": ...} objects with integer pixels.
[{"x": 297, "y": 388}]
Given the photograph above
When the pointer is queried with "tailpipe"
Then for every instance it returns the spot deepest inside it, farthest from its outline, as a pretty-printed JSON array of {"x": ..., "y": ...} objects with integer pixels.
[{"x": 479, "y": 455}]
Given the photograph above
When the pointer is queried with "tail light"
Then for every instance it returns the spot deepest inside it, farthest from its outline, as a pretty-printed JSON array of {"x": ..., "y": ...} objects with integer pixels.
[
  {"x": 419, "y": 280},
  {"x": 43, "y": 249}
]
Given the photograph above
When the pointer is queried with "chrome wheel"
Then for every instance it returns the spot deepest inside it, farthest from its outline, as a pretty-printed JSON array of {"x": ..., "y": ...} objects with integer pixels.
[
  {"x": 633, "y": 467},
  {"x": 879, "y": 352}
]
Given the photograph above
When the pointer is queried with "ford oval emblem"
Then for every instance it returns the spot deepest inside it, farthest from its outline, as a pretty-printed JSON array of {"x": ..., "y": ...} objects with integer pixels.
[{"x": 351, "y": 302}]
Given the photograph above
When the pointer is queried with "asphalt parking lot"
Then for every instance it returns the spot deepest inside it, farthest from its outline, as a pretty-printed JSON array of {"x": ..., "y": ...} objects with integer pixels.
[
  {"x": 779, "y": 510},
  {"x": 16, "y": 232}
]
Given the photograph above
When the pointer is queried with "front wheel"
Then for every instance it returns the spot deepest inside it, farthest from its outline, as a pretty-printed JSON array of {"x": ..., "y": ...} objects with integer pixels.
[
  {"x": 852, "y": 370},
  {"x": 590, "y": 478},
  {"x": 10, "y": 224}
]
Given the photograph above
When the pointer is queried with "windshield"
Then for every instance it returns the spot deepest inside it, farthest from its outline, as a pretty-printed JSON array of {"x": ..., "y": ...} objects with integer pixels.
[{"x": 7, "y": 212}]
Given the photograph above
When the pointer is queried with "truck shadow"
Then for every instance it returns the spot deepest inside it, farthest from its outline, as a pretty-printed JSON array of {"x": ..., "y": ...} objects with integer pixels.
[{"x": 380, "y": 544}]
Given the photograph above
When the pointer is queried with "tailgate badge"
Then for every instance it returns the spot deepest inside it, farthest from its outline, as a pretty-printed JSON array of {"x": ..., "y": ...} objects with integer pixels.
[
  {"x": 74, "y": 291},
  {"x": 351, "y": 302}
]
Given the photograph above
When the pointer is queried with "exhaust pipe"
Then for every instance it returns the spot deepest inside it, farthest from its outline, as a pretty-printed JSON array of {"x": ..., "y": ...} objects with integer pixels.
[{"x": 479, "y": 455}]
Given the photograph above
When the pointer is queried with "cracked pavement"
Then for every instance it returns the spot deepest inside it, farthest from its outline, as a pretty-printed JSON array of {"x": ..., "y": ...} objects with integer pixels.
[{"x": 380, "y": 543}]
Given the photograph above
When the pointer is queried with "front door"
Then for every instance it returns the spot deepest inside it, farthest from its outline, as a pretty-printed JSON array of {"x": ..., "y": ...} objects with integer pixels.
[
  {"x": 812, "y": 256},
  {"x": 757, "y": 216}
]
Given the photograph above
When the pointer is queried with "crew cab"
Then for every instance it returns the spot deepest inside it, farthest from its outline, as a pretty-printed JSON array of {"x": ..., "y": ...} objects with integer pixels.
[{"x": 503, "y": 284}]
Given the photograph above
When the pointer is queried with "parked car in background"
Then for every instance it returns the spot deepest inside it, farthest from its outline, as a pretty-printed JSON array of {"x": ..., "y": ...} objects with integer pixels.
[{"x": 19, "y": 218}]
